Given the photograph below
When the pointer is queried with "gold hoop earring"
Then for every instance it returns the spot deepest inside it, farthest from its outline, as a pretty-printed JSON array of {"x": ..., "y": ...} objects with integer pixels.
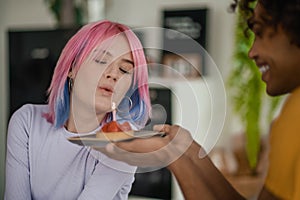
[{"x": 70, "y": 85}]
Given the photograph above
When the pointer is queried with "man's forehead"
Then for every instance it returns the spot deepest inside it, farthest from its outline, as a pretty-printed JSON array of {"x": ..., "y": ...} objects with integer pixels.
[
  {"x": 260, "y": 14},
  {"x": 258, "y": 11}
]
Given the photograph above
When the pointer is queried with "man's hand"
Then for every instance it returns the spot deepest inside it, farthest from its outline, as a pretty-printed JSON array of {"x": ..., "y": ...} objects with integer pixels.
[{"x": 154, "y": 151}]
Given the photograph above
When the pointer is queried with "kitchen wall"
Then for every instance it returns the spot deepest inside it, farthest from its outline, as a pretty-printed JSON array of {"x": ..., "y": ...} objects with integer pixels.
[
  {"x": 219, "y": 35},
  {"x": 136, "y": 13}
]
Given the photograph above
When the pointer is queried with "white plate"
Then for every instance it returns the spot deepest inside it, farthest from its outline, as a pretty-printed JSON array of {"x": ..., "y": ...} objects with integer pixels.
[{"x": 92, "y": 140}]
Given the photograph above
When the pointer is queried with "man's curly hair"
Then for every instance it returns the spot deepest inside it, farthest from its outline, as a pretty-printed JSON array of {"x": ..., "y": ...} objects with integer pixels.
[{"x": 281, "y": 12}]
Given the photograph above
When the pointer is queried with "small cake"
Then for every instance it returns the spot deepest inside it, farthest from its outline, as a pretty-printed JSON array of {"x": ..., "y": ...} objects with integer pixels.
[{"x": 115, "y": 131}]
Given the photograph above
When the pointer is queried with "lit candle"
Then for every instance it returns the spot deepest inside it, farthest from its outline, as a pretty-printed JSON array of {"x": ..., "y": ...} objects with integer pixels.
[{"x": 113, "y": 106}]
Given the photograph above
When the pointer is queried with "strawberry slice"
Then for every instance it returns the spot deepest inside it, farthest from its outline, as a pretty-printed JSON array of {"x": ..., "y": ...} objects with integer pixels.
[{"x": 113, "y": 126}]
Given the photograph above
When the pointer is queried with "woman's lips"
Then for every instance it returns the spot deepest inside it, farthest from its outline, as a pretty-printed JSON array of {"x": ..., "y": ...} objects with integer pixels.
[{"x": 106, "y": 90}]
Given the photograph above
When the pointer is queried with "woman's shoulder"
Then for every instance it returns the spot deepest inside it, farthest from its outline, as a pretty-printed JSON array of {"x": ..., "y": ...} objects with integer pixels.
[
  {"x": 28, "y": 112},
  {"x": 31, "y": 108}
]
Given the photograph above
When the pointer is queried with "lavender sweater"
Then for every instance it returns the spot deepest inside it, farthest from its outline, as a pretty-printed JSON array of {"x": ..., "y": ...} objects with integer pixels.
[{"x": 43, "y": 164}]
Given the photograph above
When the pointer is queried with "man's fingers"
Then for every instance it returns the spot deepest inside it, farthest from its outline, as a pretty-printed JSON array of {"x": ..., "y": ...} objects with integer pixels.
[
  {"x": 162, "y": 128},
  {"x": 141, "y": 145}
]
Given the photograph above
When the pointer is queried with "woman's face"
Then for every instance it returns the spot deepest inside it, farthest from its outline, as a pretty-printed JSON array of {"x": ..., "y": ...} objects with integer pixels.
[
  {"x": 275, "y": 55},
  {"x": 104, "y": 77}
]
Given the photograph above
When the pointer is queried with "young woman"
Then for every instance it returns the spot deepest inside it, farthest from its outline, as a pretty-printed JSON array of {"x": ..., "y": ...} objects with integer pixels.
[{"x": 102, "y": 63}]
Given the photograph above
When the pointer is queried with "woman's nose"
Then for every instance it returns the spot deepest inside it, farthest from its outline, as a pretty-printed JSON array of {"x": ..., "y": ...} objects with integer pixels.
[{"x": 111, "y": 72}]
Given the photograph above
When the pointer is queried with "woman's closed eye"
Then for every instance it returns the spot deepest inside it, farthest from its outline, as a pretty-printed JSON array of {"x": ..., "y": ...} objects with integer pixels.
[{"x": 125, "y": 70}]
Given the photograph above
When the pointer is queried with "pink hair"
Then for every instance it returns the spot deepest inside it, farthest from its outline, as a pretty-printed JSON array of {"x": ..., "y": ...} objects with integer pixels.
[{"x": 77, "y": 50}]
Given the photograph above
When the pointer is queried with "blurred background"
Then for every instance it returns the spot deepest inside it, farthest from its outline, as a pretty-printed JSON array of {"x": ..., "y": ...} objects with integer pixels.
[{"x": 31, "y": 37}]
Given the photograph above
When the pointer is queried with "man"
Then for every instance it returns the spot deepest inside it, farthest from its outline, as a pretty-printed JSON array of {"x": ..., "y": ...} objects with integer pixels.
[{"x": 276, "y": 51}]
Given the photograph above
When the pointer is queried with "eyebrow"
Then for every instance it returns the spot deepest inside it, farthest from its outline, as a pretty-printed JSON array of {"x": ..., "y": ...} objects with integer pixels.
[
  {"x": 261, "y": 19},
  {"x": 104, "y": 52}
]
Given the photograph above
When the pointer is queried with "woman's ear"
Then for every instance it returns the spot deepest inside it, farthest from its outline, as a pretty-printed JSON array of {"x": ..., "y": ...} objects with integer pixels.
[
  {"x": 71, "y": 74},
  {"x": 70, "y": 81}
]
